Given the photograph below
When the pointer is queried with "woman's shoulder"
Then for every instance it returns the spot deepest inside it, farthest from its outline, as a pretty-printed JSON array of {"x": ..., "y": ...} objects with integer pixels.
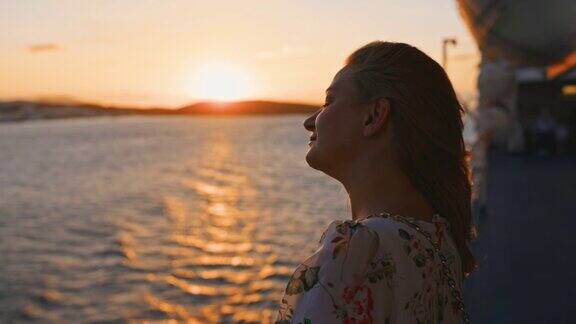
[
  {"x": 387, "y": 227},
  {"x": 391, "y": 233},
  {"x": 361, "y": 237}
]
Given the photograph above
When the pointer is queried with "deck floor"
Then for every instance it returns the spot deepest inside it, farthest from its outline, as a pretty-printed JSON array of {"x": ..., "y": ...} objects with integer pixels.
[{"x": 526, "y": 244}]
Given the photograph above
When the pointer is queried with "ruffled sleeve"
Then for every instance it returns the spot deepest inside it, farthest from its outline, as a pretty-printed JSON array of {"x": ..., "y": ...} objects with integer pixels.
[{"x": 343, "y": 281}]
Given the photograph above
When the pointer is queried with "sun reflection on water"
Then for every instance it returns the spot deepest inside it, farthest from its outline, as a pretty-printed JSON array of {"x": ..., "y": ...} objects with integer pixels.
[
  {"x": 197, "y": 224},
  {"x": 225, "y": 256}
]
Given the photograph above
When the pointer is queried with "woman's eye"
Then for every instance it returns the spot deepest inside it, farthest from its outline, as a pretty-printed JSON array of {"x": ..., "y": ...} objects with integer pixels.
[{"x": 327, "y": 102}]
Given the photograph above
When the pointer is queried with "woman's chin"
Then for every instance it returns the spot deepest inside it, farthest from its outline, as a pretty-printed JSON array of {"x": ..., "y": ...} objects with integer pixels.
[{"x": 311, "y": 157}]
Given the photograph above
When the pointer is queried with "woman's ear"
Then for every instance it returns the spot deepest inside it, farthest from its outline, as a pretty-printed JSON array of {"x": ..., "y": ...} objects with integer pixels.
[{"x": 377, "y": 115}]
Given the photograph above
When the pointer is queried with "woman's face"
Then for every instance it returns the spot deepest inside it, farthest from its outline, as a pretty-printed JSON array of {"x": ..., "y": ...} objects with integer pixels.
[{"x": 336, "y": 128}]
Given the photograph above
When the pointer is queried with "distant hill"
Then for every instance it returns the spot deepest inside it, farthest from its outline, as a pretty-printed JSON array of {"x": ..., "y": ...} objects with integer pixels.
[
  {"x": 28, "y": 110},
  {"x": 247, "y": 107}
]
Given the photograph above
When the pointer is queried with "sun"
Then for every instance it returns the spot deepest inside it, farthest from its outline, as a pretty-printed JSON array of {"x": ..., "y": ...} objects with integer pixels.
[{"x": 222, "y": 81}]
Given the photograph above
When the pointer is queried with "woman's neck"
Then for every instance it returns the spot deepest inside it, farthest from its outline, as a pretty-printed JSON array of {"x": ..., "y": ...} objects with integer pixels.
[{"x": 385, "y": 190}]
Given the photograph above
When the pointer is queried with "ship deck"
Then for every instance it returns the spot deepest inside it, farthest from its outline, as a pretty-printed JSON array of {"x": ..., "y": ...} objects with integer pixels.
[{"x": 526, "y": 244}]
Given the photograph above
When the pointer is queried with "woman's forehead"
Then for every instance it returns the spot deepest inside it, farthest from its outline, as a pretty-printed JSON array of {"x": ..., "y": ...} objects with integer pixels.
[{"x": 341, "y": 82}]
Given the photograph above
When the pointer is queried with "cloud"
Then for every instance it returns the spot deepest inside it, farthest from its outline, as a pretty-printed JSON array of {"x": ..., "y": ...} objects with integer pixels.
[
  {"x": 285, "y": 51},
  {"x": 43, "y": 47}
]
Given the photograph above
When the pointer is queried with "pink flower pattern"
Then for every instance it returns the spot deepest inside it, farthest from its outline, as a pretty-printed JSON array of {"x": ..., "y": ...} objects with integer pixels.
[{"x": 353, "y": 278}]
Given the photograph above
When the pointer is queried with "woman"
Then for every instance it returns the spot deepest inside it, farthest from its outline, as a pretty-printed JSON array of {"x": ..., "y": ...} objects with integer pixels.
[{"x": 391, "y": 133}]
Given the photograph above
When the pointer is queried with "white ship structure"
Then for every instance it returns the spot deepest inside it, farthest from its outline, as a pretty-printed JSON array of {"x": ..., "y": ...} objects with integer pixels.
[{"x": 528, "y": 65}]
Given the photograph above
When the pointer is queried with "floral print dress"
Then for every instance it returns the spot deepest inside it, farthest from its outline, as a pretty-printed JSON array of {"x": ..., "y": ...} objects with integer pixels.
[{"x": 375, "y": 270}]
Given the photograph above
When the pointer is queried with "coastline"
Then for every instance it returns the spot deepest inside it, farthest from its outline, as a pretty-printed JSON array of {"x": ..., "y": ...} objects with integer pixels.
[{"x": 20, "y": 111}]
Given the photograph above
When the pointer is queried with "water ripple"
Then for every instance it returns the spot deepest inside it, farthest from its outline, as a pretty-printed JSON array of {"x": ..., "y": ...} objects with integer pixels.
[{"x": 197, "y": 220}]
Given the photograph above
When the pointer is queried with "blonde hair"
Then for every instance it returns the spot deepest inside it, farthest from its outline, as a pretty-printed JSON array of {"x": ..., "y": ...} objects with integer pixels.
[{"x": 427, "y": 129}]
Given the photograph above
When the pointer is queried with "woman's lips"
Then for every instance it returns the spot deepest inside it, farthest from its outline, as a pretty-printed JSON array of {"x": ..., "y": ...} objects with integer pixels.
[{"x": 312, "y": 139}]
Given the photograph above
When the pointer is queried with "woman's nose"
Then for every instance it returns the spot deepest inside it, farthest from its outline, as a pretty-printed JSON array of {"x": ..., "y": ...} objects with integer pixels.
[{"x": 310, "y": 122}]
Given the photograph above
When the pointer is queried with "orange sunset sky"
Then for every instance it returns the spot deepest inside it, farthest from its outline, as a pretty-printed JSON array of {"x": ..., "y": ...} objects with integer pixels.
[{"x": 170, "y": 53}]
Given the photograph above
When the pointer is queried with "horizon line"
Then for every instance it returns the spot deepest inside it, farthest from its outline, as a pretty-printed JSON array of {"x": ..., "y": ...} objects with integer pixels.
[{"x": 71, "y": 101}]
